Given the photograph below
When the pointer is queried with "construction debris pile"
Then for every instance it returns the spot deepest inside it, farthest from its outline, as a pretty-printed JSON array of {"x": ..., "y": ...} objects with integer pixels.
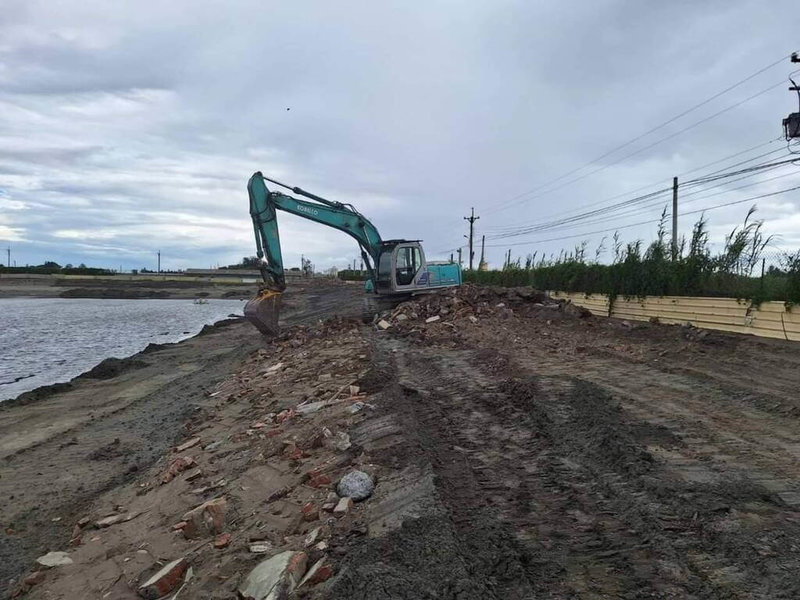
[
  {"x": 468, "y": 304},
  {"x": 254, "y": 499}
]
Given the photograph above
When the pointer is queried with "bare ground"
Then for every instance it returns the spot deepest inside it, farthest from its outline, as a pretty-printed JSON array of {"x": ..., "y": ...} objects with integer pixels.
[
  {"x": 530, "y": 454},
  {"x": 60, "y": 451}
]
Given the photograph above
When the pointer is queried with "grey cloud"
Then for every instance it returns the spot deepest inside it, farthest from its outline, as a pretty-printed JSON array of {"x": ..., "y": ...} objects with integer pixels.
[{"x": 413, "y": 113}]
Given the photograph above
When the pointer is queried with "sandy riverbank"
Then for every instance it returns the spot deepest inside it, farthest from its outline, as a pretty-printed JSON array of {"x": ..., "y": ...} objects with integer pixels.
[
  {"x": 64, "y": 445},
  {"x": 118, "y": 288}
]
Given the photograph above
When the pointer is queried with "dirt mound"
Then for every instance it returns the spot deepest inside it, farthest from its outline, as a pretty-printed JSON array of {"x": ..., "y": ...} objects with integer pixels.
[{"x": 112, "y": 367}]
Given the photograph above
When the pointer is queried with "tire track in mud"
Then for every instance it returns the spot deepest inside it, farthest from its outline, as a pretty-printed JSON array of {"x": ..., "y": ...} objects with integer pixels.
[{"x": 549, "y": 488}]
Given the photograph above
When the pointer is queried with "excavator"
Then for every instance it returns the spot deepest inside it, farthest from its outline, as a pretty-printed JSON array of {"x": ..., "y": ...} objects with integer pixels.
[{"x": 396, "y": 269}]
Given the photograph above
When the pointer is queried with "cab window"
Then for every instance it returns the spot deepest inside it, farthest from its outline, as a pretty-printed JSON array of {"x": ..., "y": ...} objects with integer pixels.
[{"x": 407, "y": 264}]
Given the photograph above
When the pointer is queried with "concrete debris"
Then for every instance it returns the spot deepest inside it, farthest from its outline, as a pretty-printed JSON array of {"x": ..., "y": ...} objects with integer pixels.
[
  {"x": 325, "y": 377},
  {"x": 340, "y": 441},
  {"x": 433, "y": 319},
  {"x": 312, "y": 537},
  {"x": 212, "y": 446},
  {"x": 260, "y": 547},
  {"x": 311, "y": 407},
  {"x": 356, "y": 485},
  {"x": 274, "y": 578},
  {"x": 318, "y": 573},
  {"x": 54, "y": 559},
  {"x": 473, "y": 319},
  {"x": 206, "y": 519},
  {"x": 354, "y": 389},
  {"x": 383, "y": 324},
  {"x": 190, "y": 443},
  {"x": 194, "y": 474},
  {"x": 355, "y": 407},
  {"x": 114, "y": 519},
  {"x": 343, "y": 507},
  {"x": 274, "y": 368},
  {"x": 321, "y": 546},
  {"x": 164, "y": 581},
  {"x": 402, "y": 317}
]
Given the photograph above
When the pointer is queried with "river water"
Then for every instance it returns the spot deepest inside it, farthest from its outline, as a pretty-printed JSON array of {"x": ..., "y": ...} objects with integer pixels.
[{"x": 50, "y": 340}]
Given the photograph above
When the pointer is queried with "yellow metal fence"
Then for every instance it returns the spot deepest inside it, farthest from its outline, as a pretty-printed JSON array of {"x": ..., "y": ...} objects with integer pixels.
[{"x": 769, "y": 319}]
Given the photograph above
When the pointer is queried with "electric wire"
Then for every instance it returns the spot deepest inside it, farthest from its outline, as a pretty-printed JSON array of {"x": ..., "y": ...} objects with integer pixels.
[
  {"x": 638, "y": 200},
  {"x": 660, "y": 126},
  {"x": 520, "y": 199},
  {"x": 680, "y": 175},
  {"x": 649, "y": 221}
]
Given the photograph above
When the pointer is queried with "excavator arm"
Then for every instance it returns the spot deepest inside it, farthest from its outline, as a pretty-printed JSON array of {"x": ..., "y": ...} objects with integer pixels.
[{"x": 264, "y": 309}]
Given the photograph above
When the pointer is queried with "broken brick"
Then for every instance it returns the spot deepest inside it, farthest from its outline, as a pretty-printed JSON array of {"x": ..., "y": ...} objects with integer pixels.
[
  {"x": 318, "y": 573},
  {"x": 222, "y": 540},
  {"x": 34, "y": 578},
  {"x": 319, "y": 481},
  {"x": 208, "y": 518},
  {"x": 164, "y": 581},
  {"x": 343, "y": 507},
  {"x": 176, "y": 466}
]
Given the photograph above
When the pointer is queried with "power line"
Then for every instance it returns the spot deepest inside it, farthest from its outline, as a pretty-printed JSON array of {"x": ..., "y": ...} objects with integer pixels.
[
  {"x": 640, "y": 150},
  {"x": 601, "y": 211},
  {"x": 650, "y": 206},
  {"x": 680, "y": 175},
  {"x": 660, "y": 126},
  {"x": 650, "y": 221}
]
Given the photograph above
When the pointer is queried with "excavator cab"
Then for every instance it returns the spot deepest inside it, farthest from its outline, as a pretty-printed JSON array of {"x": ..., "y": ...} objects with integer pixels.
[{"x": 402, "y": 270}]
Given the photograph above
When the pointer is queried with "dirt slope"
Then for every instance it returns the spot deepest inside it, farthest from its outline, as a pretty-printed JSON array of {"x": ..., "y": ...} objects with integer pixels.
[{"x": 63, "y": 450}]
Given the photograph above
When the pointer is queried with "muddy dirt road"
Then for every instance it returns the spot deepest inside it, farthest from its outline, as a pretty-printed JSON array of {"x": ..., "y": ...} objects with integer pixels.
[
  {"x": 520, "y": 450},
  {"x": 587, "y": 458},
  {"x": 62, "y": 447}
]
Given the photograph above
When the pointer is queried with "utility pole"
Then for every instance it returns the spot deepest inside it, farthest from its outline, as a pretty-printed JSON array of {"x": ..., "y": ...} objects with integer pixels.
[
  {"x": 482, "y": 262},
  {"x": 674, "y": 218},
  {"x": 459, "y": 257},
  {"x": 159, "y": 261},
  {"x": 471, "y": 218},
  {"x": 8, "y": 254}
]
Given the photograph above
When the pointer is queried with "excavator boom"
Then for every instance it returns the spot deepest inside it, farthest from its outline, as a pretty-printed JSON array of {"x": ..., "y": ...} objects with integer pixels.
[{"x": 263, "y": 310}]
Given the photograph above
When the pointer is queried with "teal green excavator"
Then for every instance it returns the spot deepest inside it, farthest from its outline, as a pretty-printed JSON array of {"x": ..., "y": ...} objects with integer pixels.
[{"x": 396, "y": 269}]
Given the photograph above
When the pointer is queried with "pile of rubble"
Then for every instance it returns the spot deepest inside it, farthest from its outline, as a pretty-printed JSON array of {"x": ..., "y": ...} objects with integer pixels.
[
  {"x": 254, "y": 499},
  {"x": 469, "y": 303}
]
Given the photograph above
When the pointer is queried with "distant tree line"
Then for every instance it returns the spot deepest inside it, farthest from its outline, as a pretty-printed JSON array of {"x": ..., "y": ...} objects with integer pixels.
[
  {"x": 52, "y": 268},
  {"x": 639, "y": 271},
  {"x": 248, "y": 262}
]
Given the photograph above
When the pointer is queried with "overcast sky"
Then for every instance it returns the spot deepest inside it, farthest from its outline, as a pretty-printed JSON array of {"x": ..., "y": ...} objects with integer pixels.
[{"x": 127, "y": 130}]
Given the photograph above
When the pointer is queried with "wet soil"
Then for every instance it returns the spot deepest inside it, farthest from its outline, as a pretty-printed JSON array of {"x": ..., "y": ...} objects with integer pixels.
[{"x": 587, "y": 458}]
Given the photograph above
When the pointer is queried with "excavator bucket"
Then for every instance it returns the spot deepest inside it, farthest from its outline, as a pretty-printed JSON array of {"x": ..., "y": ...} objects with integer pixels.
[{"x": 263, "y": 311}]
